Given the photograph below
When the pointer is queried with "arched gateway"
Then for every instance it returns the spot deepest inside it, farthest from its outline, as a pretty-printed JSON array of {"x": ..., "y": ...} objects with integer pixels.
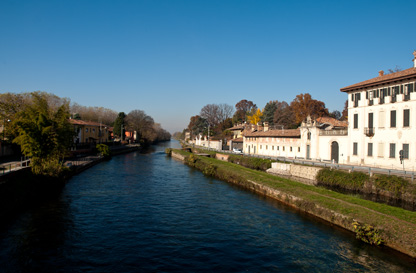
[{"x": 334, "y": 151}]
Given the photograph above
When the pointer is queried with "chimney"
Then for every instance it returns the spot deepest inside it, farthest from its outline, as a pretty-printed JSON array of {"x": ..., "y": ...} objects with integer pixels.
[
  {"x": 414, "y": 59},
  {"x": 266, "y": 126},
  {"x": 380, "y": 73},
  {"x": 259, "y": 127}
]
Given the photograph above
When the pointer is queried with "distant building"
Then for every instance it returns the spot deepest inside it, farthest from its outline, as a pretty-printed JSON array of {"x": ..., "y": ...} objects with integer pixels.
[
  {"x": 382, "y": 120},
  {"x": 90, "y": 132}
]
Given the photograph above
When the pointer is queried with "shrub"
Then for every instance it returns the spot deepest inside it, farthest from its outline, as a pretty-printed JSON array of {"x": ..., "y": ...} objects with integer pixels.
[
  {"x": 103, "y": 150},
  {"x": 351, "y": 181},
  {"x": 367, "y": 233},
  {"x": 251, "y": 162}
]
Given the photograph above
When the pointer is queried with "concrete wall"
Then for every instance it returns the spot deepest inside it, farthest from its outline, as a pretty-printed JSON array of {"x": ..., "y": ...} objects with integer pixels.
[
  {"x": 222, "y": 157},
  {"x": 299, "y": 171}
]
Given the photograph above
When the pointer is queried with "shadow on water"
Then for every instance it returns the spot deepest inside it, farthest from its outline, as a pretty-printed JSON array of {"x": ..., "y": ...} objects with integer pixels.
[{"x": 148, "y": 213}]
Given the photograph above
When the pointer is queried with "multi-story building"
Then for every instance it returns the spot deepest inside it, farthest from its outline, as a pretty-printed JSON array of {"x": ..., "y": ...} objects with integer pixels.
[
  {"x": 89, "y": 131},
  {"x": 382, "y": 120}
]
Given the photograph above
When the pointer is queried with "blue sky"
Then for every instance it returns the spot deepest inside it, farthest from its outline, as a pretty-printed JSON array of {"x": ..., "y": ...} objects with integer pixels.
[{"x": 170, "y": 58}]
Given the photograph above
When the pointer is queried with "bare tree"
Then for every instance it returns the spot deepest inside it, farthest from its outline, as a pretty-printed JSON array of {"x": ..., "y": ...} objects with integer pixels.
[{"x": 210, "y": 112}]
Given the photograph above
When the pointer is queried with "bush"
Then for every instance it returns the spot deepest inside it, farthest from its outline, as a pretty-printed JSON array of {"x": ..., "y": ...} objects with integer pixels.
[
  {"x": 251, "y": 162},
  {"x": 394, "y": 184},
  {"x": 103, "y": 150},
  {"x": 335, "y": 178},
  {"x": 367, "y": 233}
]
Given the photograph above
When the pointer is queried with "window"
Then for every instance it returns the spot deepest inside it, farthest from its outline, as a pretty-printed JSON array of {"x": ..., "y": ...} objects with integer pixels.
[
  {"x": 355, "y": 148},
  {"x": 290, "y": 148},
  {"x": 272, "y": 148},
  {"x": 93, "y": 130},
  {"x": 381, "y": 150},
  {"x": 370, "y": 149},
  {"x": 393, "y": 119},
  {"x": 283, "y": 148},
  {"x": 381, "y": 119},
  {"x": 260, "y": 147},
  {"x": 298, "y": 149},
  {"x": 266, "y": 147},
  {"x": 86, "y": 130},
  {"x": 278, "y": 148},
  {"x": 392, "y": 150},
  {"x": 406, "y": 117},
  {"x": 406, "y": 151},
  {"x": 309, "y": 135},
  {"x": 355, "y": 121}
]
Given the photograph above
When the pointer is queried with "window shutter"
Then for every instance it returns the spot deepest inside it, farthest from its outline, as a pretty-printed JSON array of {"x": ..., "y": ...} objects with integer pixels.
[
  {"x": 352, "y": 97},
  {"x": 366, "y": 95},
  {"x": 410, "y": 87},
  {"x": 406, "y": 115},
  {"x": 401, "y": 89}
]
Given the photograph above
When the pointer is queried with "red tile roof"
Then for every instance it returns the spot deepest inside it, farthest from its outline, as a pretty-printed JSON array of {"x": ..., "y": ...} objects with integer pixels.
[
  {"x": 401, "y": 75},
  {"x": 236, "y": 127},
  {"x": 89, "y": 123},
  {"x": 332, "y": 121},
  {"x": 294, "y": 133}
]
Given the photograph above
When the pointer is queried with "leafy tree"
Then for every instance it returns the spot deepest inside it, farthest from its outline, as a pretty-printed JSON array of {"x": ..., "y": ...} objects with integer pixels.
[
  {"x": 303, "y": 105},
  {"x": 256, "y": 117},
  {"x": 345, "y": 111},
  {"x": 284, "y": 116},
  {"x": 335, "y": 114},
  {"x": 197, "y": 125},
  {"x": 44, "y": 134},
  {"x": 118, "y": 124},
  {"x": 242, "y": 108},
  {"x": 268, "y": 112}
]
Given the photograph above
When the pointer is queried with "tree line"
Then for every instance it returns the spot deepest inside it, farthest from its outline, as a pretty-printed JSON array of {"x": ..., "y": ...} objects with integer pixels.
[
  {"x": 278, "y": 114},
  {"x": 39, "y": 123}
]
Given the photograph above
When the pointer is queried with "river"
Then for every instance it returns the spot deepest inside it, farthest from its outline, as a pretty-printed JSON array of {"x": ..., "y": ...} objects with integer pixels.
[{"x": 146, "y": 212}]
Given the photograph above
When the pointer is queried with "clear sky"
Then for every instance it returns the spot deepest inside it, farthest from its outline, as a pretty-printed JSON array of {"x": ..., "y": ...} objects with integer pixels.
[{"x": 170, "y": 57}]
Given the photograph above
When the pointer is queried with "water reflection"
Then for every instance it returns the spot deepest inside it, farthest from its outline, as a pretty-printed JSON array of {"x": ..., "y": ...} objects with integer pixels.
[{"x": 149, "y": 213}]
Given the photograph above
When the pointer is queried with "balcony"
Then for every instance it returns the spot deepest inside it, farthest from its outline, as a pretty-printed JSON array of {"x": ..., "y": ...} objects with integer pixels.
[
  {"x": 406, "y": 97},
  {"x": 381, "y": 101},
  {"x": 370, "y": 102},
  {"x": 393, "y": 99},
  {"x": 333, "y": 132},
  {"x": 369, "y": 131}
]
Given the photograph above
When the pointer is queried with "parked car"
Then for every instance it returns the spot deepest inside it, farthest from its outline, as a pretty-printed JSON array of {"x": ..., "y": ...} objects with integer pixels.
[{"x": 237, "y": 151}]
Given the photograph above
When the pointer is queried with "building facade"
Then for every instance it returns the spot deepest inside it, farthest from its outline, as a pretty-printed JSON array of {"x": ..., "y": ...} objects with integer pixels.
[
  {"x": 382, "y": 120},
  {"x": 89, "y": 131}
]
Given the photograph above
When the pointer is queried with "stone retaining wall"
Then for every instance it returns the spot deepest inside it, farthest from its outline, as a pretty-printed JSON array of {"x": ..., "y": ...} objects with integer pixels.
[{"x": 297, "y": 171}]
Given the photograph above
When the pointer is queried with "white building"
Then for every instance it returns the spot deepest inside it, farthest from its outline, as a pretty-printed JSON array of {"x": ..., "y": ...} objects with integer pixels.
[
  {"x": 382, "y": 120},
  {"x": 277, "y": 143},
  {"x": 325, "y": 139}
]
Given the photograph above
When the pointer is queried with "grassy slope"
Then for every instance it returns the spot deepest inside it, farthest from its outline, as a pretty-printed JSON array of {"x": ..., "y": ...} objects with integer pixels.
[{"x": 397, "y": 226}]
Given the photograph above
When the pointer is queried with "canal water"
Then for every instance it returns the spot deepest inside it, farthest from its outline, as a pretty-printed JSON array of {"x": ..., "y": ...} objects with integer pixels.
[{"x": 145, "y": 212}]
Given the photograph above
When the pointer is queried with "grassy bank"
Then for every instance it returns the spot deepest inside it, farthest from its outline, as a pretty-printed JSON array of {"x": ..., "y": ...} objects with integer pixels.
[{"x": 374, "y": 222}]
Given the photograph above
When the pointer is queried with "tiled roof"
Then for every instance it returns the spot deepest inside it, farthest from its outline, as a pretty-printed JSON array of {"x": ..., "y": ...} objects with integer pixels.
[
  {"x": 295, "y": 133},
  {"x": 89, "y": 123},
  {"x": 237, "y": 127},
  {"x": 401, "y": 75},
  {"x": 332, "y": 121},
  {"x": 239, "y": 139}
]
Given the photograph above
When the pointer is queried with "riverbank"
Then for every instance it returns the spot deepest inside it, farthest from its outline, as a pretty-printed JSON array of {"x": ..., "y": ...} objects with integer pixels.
[{"x": 395, "y": 227}]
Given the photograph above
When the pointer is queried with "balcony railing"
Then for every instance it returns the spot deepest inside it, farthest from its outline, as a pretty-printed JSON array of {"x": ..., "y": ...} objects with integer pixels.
[
  {"x": 369, "y": 131},
  {"x": 333, "y": 132},
  {"x": 381, "y": 101},
  {"x": 393, "y": 99},
  {"x": 406, "y": 97}
]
